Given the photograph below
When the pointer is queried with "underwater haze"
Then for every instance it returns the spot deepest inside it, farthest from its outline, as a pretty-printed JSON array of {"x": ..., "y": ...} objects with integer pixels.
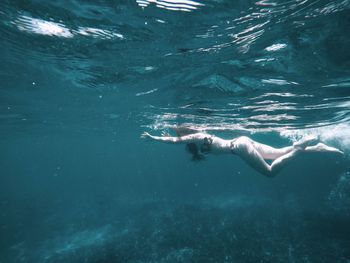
[{"x": 81, "y": 80}]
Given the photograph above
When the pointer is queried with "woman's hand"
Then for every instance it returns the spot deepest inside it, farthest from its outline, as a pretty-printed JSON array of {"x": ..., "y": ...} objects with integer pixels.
[{"x": 146, "y": 135}]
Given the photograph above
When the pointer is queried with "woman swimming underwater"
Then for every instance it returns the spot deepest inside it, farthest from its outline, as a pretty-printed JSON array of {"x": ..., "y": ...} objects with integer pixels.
[{"x": 252, "y": 152}]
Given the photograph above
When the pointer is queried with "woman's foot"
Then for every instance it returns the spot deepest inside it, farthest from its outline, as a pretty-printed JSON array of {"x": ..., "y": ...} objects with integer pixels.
[
  {"x": 320, "y": 147},
  {"x": 304, "y": 142}
]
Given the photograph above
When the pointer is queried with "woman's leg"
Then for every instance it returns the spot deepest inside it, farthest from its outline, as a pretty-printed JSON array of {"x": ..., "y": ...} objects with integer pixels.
[
  {"x": 246, "y": 149},
  {"x": 271, "y": 153},
  {"x": 279, "y": 163}
]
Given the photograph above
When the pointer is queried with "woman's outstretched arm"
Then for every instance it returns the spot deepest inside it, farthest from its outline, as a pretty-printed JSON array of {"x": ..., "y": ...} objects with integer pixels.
[
  {"x": 168, "y": 139},
  {"x": 197, "y": 137}
]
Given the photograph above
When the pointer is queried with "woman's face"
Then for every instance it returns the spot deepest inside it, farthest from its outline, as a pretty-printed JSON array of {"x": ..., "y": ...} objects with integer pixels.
[{"x": 205, "y": 147}]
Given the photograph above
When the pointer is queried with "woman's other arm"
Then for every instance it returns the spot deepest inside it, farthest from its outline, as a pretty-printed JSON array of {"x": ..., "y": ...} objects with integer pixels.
[{"x": 192, "y": 138}]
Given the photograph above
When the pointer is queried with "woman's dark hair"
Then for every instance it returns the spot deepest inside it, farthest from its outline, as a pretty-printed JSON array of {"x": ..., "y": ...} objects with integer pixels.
[{"x": 192, "y": 148}]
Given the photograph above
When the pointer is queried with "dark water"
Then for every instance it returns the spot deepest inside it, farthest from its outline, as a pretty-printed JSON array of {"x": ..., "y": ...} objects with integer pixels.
[{"x": 81, "y": 80}]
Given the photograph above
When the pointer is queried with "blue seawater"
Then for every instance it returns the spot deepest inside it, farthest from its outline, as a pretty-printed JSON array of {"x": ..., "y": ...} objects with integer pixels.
[{"x": 81, "y": 80}]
